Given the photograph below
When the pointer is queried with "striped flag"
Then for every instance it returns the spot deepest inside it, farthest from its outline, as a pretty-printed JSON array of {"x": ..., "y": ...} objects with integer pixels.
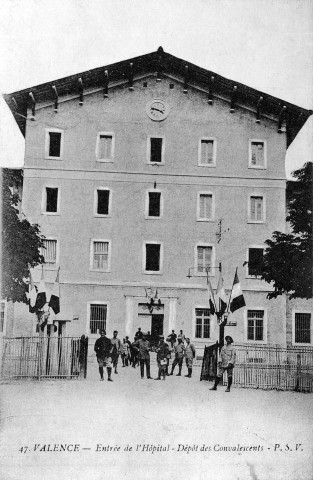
[
  {"x": 32, "y": 295},
  {"x": 213, "y": 308},
  {"x": 221, "y": 295},
  {"x": 236, "y": 297},
  {"x": 41, "y": 299},
  {"x": 54, "y": 302}
]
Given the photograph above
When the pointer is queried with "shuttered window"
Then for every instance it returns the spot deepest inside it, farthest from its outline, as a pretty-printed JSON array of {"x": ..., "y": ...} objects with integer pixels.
[
  {"x": 255, "y": 325},
  {"x": 100, "y": 255},
  {"x": 98, "y": 317},
  {"x": 204, "y": 259},
  {"x": 257, "y": 154},
  {"x": 50, "y": 251},
  {"x": 202, "y": 323},
  {"x": 207, "y": 152},
  {"x": 205, "y": 206},
  {"x": 256, "y": 209},
  {"x": 105, "y": 147},
  {"x": 303, "y": 328}
]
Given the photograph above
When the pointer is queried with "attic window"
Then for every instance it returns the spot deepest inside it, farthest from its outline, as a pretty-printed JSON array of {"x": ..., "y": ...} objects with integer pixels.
[
  {"x": 54, "y": 144},
  {"x": 155, "y": 150},
  {"x": 257, "y": 154},
  {"x": 207, "y": 152}
]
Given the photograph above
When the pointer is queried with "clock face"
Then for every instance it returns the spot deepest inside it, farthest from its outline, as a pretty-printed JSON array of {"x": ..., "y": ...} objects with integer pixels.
[{"x": 157, "y": 110}]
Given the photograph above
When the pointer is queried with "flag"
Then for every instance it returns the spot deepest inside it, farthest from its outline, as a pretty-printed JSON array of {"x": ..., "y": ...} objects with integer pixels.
[
  {"x": 41, "y": 299},
  {"x": 54, "y": 302},
  {"x": 211, "y": 298},
  {"x": 236, "y": 297},
  {"x": 221, "y": 294},
  {"x": 32, "y": 294}
]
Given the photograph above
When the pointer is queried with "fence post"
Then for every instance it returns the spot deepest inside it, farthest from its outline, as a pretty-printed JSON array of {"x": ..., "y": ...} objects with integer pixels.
[
  {"x": 83, "y": 354},
  {"x": 297, "y": 389}
]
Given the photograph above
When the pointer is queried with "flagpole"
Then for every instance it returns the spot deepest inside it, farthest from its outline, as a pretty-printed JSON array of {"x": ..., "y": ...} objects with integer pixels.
[{"x": 231, "y": 291}]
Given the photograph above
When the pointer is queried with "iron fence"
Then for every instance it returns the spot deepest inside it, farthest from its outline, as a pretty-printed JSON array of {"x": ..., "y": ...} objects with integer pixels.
[{"x": 44, "y": 357}]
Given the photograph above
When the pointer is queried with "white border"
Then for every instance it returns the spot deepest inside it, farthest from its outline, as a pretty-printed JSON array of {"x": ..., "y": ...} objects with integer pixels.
[
  {"x": 257, "y": 167},
  {"x": 256, "y": 342},
  {"x": 95, "y": 202},
  {"x": 149, "y": 150},
  {"x": 203, "y": 274},
  {"x": 91, "y": 255},
  {"x": 212, "y": 165},
  {"x": 294, "y": 311},
  {"x": 105, "y": 160},
  {"x": 97, "y": 302},
  {"x": 212, "y": 218},
  {"x": 150, "y": 217},
  {"x": 47, "y": 143},
  {"x": 152, "y": 272},
  {"x": 256, "y": 194},
  {"x": 44, "y": 200}
]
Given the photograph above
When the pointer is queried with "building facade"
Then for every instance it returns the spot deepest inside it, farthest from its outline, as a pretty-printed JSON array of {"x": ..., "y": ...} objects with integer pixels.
[{"x": 147, "y": 178}]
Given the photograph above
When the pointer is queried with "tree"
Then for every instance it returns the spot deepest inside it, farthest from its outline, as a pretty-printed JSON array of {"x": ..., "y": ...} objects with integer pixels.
[
  {"x": 21, "y": 241},
  {"x": 287, "y": 260}
]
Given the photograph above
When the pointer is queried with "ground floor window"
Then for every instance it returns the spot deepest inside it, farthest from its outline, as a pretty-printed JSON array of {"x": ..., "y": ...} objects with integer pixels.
[
  {"x": 302, "y": 328},
  {"x": 255, "y": 325},
  {"x": 202, "y": 323},
  {"x": 98, "y": 317}
]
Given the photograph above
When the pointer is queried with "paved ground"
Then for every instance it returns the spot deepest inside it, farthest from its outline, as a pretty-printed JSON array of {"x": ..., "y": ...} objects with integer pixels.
[{"x": 175, "y": 429}]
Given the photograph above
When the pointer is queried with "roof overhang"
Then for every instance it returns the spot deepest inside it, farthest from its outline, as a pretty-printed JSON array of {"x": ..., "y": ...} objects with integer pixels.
[{"x": 289, "y": 117}]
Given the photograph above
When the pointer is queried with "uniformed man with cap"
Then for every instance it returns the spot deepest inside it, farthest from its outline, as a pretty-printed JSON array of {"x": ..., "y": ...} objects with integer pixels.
[
  {"x": 227, "y": 362},
  {"x": 104, "y": 349}
]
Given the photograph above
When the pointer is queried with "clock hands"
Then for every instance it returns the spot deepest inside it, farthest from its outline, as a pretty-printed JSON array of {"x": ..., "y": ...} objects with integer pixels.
[{"x": 157, "y": 109}]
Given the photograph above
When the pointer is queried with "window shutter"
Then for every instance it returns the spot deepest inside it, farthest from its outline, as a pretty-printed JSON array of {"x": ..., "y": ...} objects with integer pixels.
[{"x": 100, "y": 255}]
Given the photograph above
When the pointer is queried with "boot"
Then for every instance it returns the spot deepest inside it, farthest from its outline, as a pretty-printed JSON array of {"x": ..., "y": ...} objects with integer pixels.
[
  {"x": 101, "y": 373},
  {"x": 217, "y": 381},
  {"x": 189, "y": 373},
  {"x": 179, "y": 372},
  {"x": 230, "y": 381},
  {"x": 109, "y": 370}
]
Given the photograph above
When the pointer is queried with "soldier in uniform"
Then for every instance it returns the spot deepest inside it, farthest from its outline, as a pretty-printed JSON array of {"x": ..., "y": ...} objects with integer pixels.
[
  {"x": 104, "y": 348},
  {"x": 190, "y": 355},
  {"x": 228, "y": 357}
]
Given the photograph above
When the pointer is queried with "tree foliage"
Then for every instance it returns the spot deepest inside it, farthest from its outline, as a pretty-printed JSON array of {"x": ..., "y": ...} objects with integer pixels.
[
  {"x": 21, "y": 241},
  {"x": 287, "y": 259}
]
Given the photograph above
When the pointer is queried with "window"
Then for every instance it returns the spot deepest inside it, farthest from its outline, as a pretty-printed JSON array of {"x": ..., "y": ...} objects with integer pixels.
[
  {"x": 202, "y": 323},
  {"x": 257, "y": 209},
  {"x": 105, "y": 147},
  {"x": 255, "y": 325},
  {"x": 51, "y": 200},
  {"x": 100, "y": 255},
  {"x": 102, "y": 201},
  {"x": 302, "y": 328},
  {"x": 205, "y": 207},
  {"x": 2, "y": 316},
  {"x": 207, "y": 152},
  {"x": 255, "y": 261},
  {"x": 204, "y": 259},
  {"x": 257, "y": 154},
  {"x": 154, "y": 204},
  {"x": 54, "y": 144},
  {"x": 155, "y": 150},
  {"x": 98, "y": 317},
  {"x": 152, "y": 257},
  {"x": 50, "y": 251}
]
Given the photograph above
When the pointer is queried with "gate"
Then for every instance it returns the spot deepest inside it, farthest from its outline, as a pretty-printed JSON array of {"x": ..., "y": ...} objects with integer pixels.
[{"x": 43, "y": 357}]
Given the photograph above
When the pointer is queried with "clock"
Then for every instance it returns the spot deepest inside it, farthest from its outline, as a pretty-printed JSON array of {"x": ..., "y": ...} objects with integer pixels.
[{"x": 157, "y": 109}]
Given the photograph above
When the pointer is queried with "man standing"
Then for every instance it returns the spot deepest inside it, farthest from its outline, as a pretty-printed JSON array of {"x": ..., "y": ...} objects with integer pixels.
[
  {"x": 116, "y": 349},
  {"x": 228, "y": 357},
  {"x": 190, "y": 355},
  {"x": 179, "y": 351},
  {"x": 172, "y": 336},
  {"x": 182, "y": 336},
  {"x": 162, "y": 354},
  {"x": 138, "y": 334},
  {"x": 103, "y": 348},
  {"x": 144, "y": 356}
]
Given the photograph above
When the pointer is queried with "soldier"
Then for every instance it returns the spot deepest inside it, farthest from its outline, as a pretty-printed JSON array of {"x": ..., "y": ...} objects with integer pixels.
[
  {"x": 116, "y": 349},
  {"x": 190, "y": 355},
  {"x": 104, "y": 348},
  {"x": 228, "y": 357},
  {"x": 179, "y": 351},
  {"x": 144, "y": 356},
  {"x": 162, "y": 354}
]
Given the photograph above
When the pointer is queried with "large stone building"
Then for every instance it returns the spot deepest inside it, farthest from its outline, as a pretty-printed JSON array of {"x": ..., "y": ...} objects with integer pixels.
[{"x": 144, "y": 176}]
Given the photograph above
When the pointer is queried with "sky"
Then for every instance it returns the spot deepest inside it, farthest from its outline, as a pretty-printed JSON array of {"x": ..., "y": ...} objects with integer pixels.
[{"x": 265, "y": 44}]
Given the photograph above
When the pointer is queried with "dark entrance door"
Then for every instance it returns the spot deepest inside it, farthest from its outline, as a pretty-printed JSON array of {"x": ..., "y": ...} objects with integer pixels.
[{"x": 156, "y": 327}]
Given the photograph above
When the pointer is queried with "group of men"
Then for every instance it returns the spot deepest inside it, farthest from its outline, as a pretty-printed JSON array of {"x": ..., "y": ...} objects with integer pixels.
[{"x": 108, "y": 350}]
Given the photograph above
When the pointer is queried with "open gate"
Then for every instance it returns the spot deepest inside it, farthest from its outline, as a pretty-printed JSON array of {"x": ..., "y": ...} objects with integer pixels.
[{"x": 43, "y": 357}]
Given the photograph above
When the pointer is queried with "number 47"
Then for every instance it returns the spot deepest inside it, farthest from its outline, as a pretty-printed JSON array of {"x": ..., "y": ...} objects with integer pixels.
[{"x": 23, "y": 449}]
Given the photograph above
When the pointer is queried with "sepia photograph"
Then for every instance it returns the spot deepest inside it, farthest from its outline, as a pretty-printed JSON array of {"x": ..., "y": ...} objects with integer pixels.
[{"x": 156, "y": 240}]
